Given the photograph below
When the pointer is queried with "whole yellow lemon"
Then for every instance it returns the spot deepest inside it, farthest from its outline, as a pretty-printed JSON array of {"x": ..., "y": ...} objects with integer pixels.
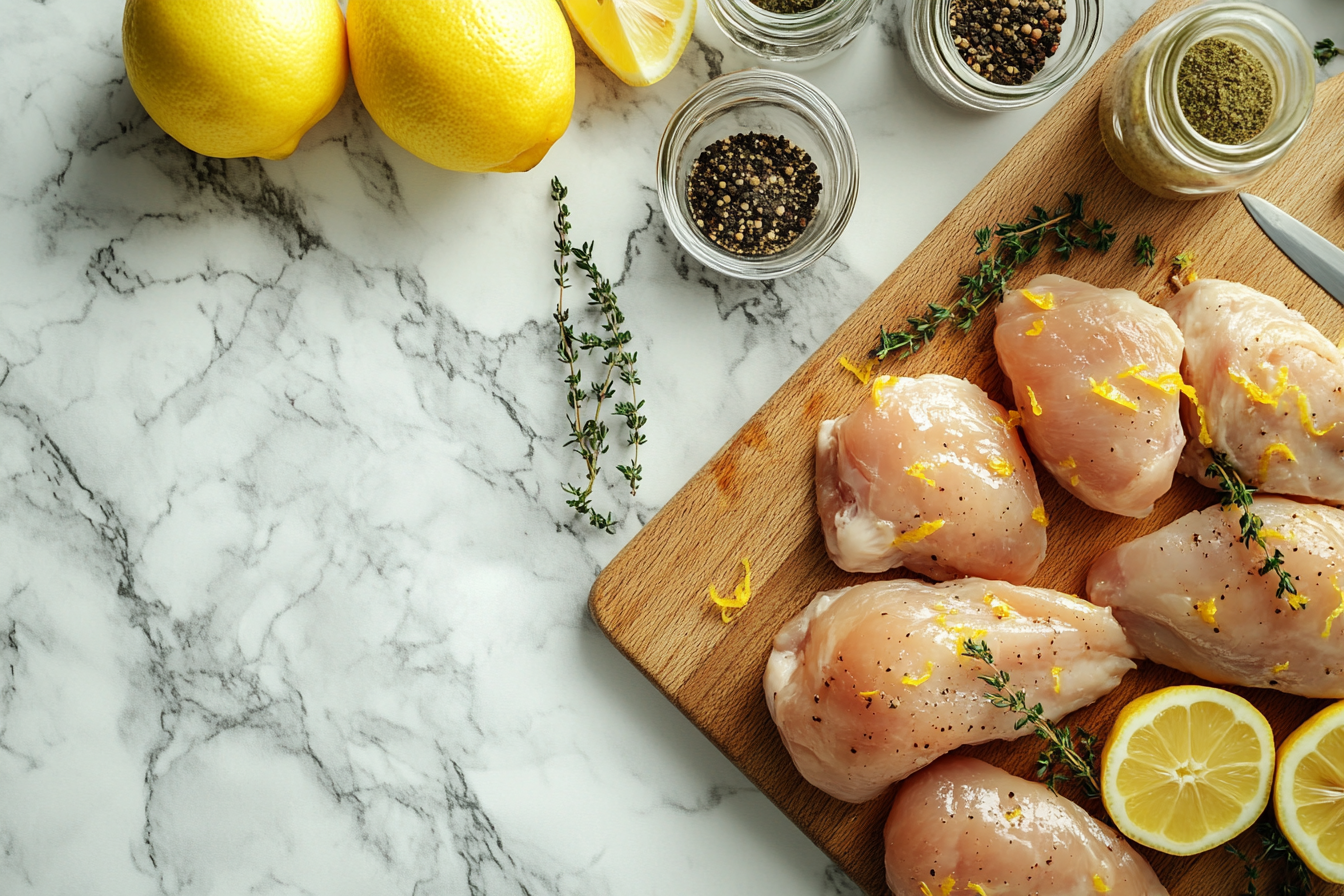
[
  {"x": 233, "y": 78},
  {"x": 470, "y": 85}
]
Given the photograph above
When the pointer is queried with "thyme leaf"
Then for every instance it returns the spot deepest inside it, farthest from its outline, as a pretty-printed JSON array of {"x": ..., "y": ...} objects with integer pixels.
[
  {"x": 1019, "y": 242},
  {"x": 1274, "y": 846},
  {"x": 1234, "y": 492},
  {"x": 1326, "y": 50},
  {"x": 1067, "y": 755},
  {"x": 588, "y": 435},
  {"x": 1145, "y": 253}
]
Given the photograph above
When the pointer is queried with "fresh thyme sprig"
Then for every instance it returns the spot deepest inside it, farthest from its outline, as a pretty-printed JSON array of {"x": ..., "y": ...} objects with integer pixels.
[
  {"x": 1325, "y": 51},
  {"x": 1234, "y": 492},
  {"x": 1297, "y": 880},
  {"x": 589, "y": 435},
  {"x": 1067, "y": 755},
  {"x": 1018, "y": 243},
  {"x": 1145, "y": 253}
]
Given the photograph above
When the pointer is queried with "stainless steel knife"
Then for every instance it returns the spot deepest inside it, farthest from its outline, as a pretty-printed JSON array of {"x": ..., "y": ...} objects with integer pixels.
[{"x": 1319, "y": 259}]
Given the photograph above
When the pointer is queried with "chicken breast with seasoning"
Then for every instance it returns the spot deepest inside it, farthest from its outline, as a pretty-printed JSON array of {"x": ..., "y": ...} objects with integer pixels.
[
  {"x": 1095, "y": 374},
  {"x": 964, "y": 826},
  {"x": 869, "y": 683},
  {"x": 1271, "y": 388},
  {"x": 928, "y": 474},
  {"x": 1190, "y": 596}
]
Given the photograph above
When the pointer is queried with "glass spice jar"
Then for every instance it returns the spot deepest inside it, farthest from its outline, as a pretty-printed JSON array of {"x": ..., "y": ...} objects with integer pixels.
[
  {"x": 765, "y": 102},
  {"x": 1147, "y": 134},
  {"x": 798, "y": 37},
  {"x": 927, "y": 36}
]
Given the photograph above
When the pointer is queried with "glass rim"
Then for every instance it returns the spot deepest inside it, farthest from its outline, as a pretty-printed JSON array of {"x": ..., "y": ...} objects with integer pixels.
[
  {"x": 799, "y": 27},
  {"x": 759, "y": 87}
]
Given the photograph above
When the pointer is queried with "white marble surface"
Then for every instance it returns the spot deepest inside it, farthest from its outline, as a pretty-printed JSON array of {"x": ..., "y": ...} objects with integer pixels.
[{"x": 290, "y": 601}]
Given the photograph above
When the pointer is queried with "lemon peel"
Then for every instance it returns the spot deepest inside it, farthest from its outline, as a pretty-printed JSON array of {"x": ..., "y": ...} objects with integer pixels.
[
  {"x": 1035, "y": 406},
  {"x": 915, "y": 682},
  {"x": 1036, "y": 327},
  {"x": 741, "y": 594},
  {"x": 1207, "y": 610},
  {"x": 1055, "y": 676},
  {"x": 880, "y": 383},
  {"x": 917, "y": 470},
  {"x": 1044, "y": 302},
  {"x": 1038, "y": 514},
  {"x": 1112, "y": 394},
  {"x": 862, "y": 374},
  {"x": 1257, "y": 394},
  {"x": 948, "y": 885},
  {"x": 918, "y": 534},
  {"x": 1001, "y": 465},
  {"x": 1304, "y": 414},
  {"x": 1280, "y": 449},
  {"x": 1335, "y": 613},
  {"x": 1282, "y": 667},
  {"x": 998, "y": 606},
  {"x": 1099, "y": 884}
]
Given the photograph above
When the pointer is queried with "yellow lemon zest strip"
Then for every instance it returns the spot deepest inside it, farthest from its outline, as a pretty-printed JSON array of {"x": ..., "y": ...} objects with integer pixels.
[
  {"x": 1304, "y": 410},
  {"x": 1137, "y": 368},
  {"x": 880, "y": 383},
  {"x": 1036, "y": 327},
  {"x": 1039, "y": 516},
  {"x": 1099, "y": 884},
  {"x": 1054, "y": 674},
  {"x": 998, "y": 606},
  {"x": 1256, "y": 393},
  {"x": 1335, "y": 613},
  {"x": 976, "y": 888},
  {"x": 947, "y": 885},
  {"x": 1282, "y": 666},
  {"x": 1110, "y": 393},
  {"x": 741, "y": 594},
  {"x": 1204, "y": 438},
  {"x": 965, "y": 633},
  {"x": 919, "y": 534},
  {"x": 917, "y": 471},
  {"x": 1001, "y": 465},
  {"x": 862, "y": 374},
  {"x": 1035, "y": 407},
  {"x": 1073, "y": 480},
  {"x": 868, "y": 693},
  {"x": 1069, "y": 463},
  {"x": 1207, "y": 609},
  {"x": 1277, "y": 448},
  {"x": 924, "y": 889},
  {"x": 1045, "y": 302},
  {"x": 1013, "y": 814},
  {"x": 916, "y": 682}
]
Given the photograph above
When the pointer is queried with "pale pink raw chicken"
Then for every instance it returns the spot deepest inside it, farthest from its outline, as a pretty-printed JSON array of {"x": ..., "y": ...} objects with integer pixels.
[
  {"x": 868, "y": 684},
  {"x": 1190, "y": 596},
  {"x": 966, "y": 821},
  {"x": 1271, "y": 386},
  {"x": 927, "y": 474},
  {"x": 1095, "y": 376}
]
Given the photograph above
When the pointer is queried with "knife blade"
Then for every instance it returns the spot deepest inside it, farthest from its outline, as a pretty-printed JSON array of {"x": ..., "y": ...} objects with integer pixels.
[{"x": 1317, "y": 257}]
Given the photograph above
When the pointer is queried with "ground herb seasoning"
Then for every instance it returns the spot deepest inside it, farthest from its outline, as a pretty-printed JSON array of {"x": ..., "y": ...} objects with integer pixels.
[
  {"x": 1225, "y": 91},
  {"x": 1007, "y": 41},
  {"x": 788, "y": 7},
  {"x": 752, "y": 194}
]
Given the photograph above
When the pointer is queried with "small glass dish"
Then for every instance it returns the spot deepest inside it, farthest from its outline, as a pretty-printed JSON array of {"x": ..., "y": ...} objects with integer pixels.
[
  {"x": 766, "y": 102},
  {"x": 1147, "y": 134},
  {"x": 936, "y": 59},
  {"x": 799, "y": 37}
]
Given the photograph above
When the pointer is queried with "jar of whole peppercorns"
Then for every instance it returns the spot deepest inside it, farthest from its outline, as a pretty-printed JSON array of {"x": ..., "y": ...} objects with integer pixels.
[{"x": 995, "y": 55}]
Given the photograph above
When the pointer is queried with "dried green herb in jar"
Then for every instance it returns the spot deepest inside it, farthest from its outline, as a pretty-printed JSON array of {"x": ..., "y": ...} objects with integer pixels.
[
  {"x": 1225, "y": 91},
  {"x": 788, "y": 7},
  {"x": 1007, "y": 41},
  {"x": 752, "y": 194}
]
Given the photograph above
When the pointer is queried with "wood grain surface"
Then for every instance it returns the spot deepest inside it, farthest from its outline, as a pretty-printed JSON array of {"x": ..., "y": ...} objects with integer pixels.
[{"x": 755, "y": 497}]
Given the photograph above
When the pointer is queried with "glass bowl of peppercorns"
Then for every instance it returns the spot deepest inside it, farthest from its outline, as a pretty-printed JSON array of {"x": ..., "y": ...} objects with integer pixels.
[
  {"x": 757, "y": 174},
  {"x": 996, "y": 55}
]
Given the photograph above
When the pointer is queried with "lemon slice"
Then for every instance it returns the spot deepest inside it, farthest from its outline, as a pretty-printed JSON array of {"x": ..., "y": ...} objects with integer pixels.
[
  {"x": 1187, "y": 768},
  {"x": 639, "y": 40},
  {"x": 1309, "y": 792}
]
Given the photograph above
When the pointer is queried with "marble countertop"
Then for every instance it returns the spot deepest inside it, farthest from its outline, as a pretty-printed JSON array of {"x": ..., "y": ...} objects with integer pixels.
[{"x": 290, "y": 599}]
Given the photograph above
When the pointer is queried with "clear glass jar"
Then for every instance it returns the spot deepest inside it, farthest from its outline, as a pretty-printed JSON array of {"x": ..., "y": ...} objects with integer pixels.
[
  {"x": 928, "y": 44},
  {"x": 1141, "y": 121},
  {"x": 792, "y": 37},
  {"x": 766, "y": 102}
]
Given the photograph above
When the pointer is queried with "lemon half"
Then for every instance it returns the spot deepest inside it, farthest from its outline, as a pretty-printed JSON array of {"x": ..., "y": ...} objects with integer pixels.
[
  {"x": 639, "y": 40},
  {"x": 1309, "y": 792},
  {"x": 1187, "y": 768}
]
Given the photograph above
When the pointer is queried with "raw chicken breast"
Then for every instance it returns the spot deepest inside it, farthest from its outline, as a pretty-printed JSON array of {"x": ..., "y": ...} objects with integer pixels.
[
  {"x": 1271, "y": 386},
  {"x": 927, "y": 474},
  {"x": 1189, "y": 596},
  {"x": 1095, "y": 375},
  {"x": 967, "y": 821},
  {"x": 868, "y": 684}
]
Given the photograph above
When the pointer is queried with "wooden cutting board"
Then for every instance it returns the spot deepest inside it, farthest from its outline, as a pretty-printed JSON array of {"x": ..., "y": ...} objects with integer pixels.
[{"x": 755, "y": 497}]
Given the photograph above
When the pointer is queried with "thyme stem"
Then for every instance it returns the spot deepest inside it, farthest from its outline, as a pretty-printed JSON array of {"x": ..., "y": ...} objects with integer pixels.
[{"x": 1234, "y": 492}]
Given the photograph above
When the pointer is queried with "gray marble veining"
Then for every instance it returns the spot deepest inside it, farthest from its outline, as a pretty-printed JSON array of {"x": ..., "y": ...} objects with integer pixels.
[{"x": 290, "y": 600}]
